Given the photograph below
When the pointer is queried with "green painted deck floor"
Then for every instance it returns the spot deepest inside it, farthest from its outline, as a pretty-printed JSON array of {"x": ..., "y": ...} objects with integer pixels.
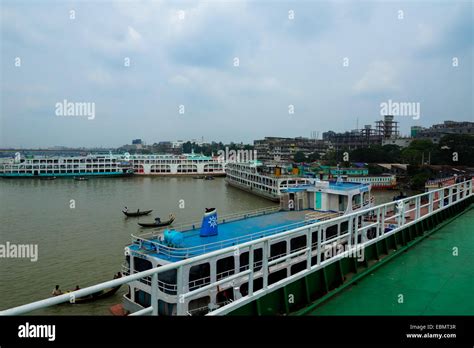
[{"x": 431, "y": 280}]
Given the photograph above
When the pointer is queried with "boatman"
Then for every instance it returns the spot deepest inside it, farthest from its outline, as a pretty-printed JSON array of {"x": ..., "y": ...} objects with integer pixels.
[
  {"x": 125, "y": 209},
  {"x": 56, "y": 291}
]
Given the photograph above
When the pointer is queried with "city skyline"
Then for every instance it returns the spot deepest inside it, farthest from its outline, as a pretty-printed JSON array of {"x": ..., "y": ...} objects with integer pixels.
[{"x": 241, "y": 71}]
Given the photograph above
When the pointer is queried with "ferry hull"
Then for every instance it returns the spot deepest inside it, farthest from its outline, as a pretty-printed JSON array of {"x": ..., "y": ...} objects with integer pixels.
[
  {"x": 313, "y": 289},
  {"x": 181, "y": 174},
  {"x": 255, "y": 192}
]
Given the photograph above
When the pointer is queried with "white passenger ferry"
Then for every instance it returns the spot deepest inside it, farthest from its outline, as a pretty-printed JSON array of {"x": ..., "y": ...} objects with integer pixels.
[
  {"x": 186, "y": 164},
  {"x": 64, "y": 166},
  {"x": 263, "y": 180},
  {"x": 301, "y": 205},
  {"x": 383, "y": 181}
]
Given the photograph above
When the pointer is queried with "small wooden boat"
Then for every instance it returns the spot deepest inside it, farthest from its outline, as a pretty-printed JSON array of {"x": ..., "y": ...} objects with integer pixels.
[
  {"x": 97, "y": 295},
  {"x": 208, "y": 178},
  {"x": 80, "y": 178},
  {"x": 137, "y": 213},
  {"x": 159, "y": 224},
  {"x": 48, "y": 178}
]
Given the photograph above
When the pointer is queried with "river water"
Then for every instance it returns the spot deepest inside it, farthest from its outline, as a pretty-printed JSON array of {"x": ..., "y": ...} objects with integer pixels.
[{"x": 81, "y": 232}]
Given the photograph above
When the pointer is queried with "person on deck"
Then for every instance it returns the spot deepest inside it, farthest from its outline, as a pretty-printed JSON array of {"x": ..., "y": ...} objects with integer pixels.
[{"x": 125, "y": 209}]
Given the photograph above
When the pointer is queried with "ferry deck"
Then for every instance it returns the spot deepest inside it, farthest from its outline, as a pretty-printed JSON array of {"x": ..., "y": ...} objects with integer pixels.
[{"x": 230, "y": 233}]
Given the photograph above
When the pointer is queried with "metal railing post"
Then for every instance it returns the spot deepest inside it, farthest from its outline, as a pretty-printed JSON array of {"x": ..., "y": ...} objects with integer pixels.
[
  {"x": 417, "y": 207},
  {"x": 251, "y": 267},
  {"x": 379, "y": 229},
  {"x": 319, "y": 245},
  {"x": 265, "y": 256},
  {"x": 154, "y": 294},
  {"x": 349, "y": 230},
  {"x": 180, "y": 308},
  {"x": 309, "y": 246},
  {"x": 430, "y": 202}
]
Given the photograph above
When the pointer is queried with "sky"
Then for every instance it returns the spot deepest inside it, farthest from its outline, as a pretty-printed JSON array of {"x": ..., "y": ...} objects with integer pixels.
[{"x": 227, "y": 71}]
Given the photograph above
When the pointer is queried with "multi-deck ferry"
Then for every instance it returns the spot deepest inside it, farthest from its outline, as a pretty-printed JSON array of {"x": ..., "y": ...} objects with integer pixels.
[
  {"x": 384, "y": 181},
  {"x": 264, "y": 180},
  {"x": 64, "y": 166},
  {"x": 301, "y": 205},
  {"x": 186, "y": 164}
]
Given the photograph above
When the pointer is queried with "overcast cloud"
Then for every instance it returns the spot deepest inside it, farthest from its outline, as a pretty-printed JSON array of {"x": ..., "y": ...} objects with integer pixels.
[{"x": 190, "y": 61}]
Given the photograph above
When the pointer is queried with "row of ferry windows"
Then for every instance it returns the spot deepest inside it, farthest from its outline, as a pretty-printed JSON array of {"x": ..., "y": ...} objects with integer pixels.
[
  {"x": 377, "y": 179},
  {"x": 181, "y": 169},
  {"x": 61, "y": 166},
  {"x": 63, "y": 171},
  {"x": 135, "y": 161},
  {"x": 258, "y": 186},
  {"x": 82, "y": 160}
]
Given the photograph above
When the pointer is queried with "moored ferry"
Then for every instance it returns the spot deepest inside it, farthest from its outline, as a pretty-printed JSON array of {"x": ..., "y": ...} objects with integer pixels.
[
  {"x": 167, "y": 164},
  {"x": 64, "y": 166},
  {"x": 434, "y": 184},
  {"x": 383, "y": 181},
  {"x": 300, "y": 206},
  {"x": 266, "y": 181}
]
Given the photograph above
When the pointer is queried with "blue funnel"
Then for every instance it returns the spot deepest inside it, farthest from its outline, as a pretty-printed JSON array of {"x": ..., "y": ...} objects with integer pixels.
[{"x": 209, "y": 223}]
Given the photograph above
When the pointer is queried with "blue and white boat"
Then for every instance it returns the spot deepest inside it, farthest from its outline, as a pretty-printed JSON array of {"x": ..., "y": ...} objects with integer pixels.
[{"x": 300, "y": 206}]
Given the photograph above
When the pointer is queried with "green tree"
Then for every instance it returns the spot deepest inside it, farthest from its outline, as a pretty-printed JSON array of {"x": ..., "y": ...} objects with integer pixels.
[
  {"x": 456, "y": 149},
  {"x": 299, "y": 157},
  {"x": 419, "y": 150},
  {"x": 314, "y": 157},
  {"x": 187, "y": 147}
]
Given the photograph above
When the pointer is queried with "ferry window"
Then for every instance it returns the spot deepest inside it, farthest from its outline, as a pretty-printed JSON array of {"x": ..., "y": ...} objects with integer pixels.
[
  {"x": 257, "y": 285},
  {"x": 199, "y": 275},
  {"x": 143, "y": 298},
  {"x": 168, "y": 277},
  {"x": 298, "y": 267},
  {"x": 344, "y": 227},
  {"x": 277, "y": 276},
  {"x": 225, "y": 296},
  {"x": 278, "y": 249},
  {"x": 331, "y": 231},
  {"x": 225, "y": 267},
  {"x": 165, "y": 308},
  {"x": 199, "y": 306},
  {"x": 297, "y": 243},
  {"x": 314, "y": 239},
  {"x": 244, "y": 261},
  {"x": 141, "y": 264}
]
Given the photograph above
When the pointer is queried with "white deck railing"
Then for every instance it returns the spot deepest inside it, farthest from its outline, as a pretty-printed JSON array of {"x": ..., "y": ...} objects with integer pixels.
[{"x": 435, "y": 200}]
